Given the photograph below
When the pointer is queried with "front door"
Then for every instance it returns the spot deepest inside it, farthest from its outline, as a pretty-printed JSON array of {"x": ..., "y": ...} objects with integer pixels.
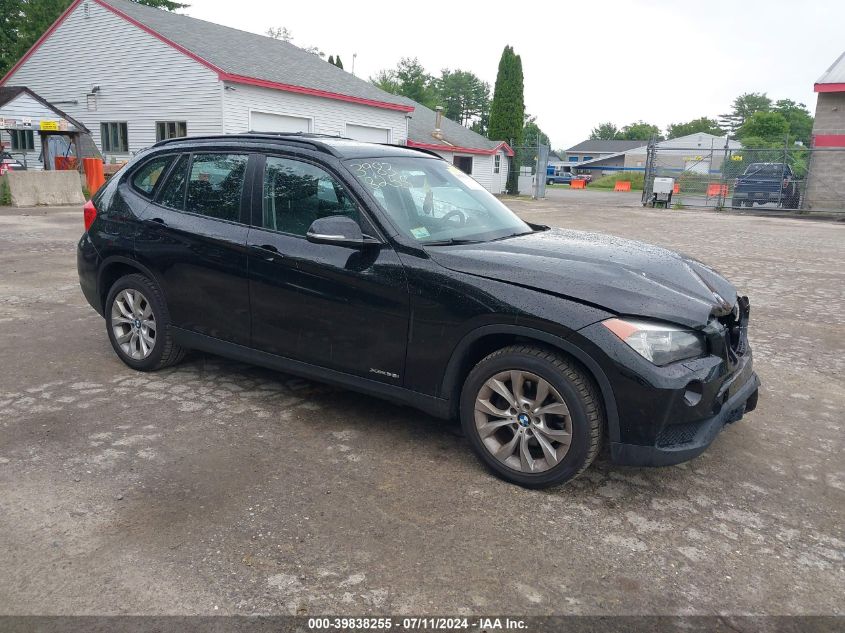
[
  {"x": 340, "y": 307},
  {"x": 194, "y": 236}
]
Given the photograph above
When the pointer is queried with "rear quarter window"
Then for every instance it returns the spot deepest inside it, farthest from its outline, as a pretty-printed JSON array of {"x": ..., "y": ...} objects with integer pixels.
[{"x": 145, "y": 179}]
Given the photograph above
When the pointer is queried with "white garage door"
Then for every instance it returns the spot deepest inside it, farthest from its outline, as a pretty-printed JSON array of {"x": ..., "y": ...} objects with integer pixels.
[
  {"x": 267, "y": 122},
  {"x": 367, "y": 133}
]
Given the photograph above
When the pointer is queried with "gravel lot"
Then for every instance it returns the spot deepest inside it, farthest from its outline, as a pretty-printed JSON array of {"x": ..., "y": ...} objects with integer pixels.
[{"x": 214, "y": 487}]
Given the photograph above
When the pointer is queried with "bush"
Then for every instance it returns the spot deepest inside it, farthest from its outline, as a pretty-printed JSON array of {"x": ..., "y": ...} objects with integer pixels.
[
  {"x": 636, "y": 178},
  {"x": 5, "y": 193}
]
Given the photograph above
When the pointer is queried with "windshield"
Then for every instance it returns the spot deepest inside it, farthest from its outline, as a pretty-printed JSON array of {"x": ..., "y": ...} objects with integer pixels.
[{"x": 431, "y": 201}]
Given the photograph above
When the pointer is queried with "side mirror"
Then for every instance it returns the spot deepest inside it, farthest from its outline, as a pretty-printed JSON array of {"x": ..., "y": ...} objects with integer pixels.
[{"x": 337, "y": 229}]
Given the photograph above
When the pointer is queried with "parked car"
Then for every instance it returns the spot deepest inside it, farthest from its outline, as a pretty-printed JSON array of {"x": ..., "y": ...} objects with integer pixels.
[
  {"x": 387, "y": 270},
  {"x": 10, "y": 163},
  {"x": 763, "y": 183},
  {"x": 563, "y": 178}
]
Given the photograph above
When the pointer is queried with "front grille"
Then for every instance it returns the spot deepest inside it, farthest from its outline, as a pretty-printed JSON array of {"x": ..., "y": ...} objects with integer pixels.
[{"x": 678, "y": 434}]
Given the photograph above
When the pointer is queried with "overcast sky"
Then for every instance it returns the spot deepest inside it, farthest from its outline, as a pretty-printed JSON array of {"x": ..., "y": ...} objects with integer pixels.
[{"x": 584, "y": 62}]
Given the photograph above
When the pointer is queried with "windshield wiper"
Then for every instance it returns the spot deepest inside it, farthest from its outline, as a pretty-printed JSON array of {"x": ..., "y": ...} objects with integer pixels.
[
  {"x": 507, "y": 237},
  {"x": 451, "y": 242}
]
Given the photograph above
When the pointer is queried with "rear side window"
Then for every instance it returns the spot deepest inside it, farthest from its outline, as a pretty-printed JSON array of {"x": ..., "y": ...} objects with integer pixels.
[
  {"x": 146, "y": 178},
  {"x": 173, "y": 191},
  {"x": 215, "y": 185}
]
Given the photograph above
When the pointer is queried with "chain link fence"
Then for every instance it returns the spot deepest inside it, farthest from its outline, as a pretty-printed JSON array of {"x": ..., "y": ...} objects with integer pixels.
[
  {"x": 790, "y": 178},
  {"x": 531, "y": 163}
]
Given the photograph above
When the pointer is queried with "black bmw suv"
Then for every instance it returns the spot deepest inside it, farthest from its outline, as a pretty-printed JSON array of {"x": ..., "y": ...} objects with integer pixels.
[{"x": 389, "y": 271}]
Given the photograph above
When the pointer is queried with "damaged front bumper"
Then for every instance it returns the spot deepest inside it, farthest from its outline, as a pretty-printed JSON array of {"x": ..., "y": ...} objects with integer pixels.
[{"x": 678, "y": 443}]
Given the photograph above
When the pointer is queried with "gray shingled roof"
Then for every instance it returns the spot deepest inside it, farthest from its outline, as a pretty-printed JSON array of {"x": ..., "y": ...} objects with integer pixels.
[
  {"x": 606, "y": 146},
  {"x": 250, "y": 55},
  {"x": 835, "y": 74},
  {"x": 422, "y": 124}
]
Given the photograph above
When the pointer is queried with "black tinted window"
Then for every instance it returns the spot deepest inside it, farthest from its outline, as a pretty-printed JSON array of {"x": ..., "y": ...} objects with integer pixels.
[
  {"x": 173, "y": 191},
  {"x": 215, "y": 185},
  {"x": 297, "y": 193},
  {"x": 770, "y": 170},
  {"x": 146, "y": 178}
]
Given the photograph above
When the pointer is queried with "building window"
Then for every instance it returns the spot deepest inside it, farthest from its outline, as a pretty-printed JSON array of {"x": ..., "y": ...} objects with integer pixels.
[
  {"x": 588, "y": 158},
  {"x": 22, "y": 140},
  {"x": 497, "y": 163},
  {"x": 464, "y": 163},
  {"x": 573, "y": 159},
  {"x": 170, "y": 129},
  {"x": 114, "y": 137}
]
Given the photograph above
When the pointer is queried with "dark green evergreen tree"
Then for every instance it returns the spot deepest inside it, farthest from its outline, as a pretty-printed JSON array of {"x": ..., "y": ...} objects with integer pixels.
[
  {"x": 338, "y": 63},
  {"x": 331, "y": 60},
  {"x": 507, "y": 110}
]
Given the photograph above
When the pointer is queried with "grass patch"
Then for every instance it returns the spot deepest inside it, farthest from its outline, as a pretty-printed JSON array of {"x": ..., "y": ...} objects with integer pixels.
[
  {"x": 609, "y": 182},
  {"x": 5, "y": 193}
]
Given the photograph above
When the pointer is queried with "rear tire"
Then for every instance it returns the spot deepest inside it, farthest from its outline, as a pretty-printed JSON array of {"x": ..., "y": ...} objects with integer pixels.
[
  {"x": 540, "y": 435},
  {"x": 138, "y": 324}
]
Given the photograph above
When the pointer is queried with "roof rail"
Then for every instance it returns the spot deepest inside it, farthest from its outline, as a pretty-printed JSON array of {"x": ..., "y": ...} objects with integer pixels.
[{"x": 311, "y": 140}]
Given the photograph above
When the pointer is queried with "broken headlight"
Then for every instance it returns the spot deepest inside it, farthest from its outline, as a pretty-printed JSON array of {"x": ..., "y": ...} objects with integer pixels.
[{"x": 660, "y": 343}]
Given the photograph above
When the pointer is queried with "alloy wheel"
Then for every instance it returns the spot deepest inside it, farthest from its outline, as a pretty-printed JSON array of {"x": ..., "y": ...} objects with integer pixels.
[
  {"x": 523, "y": 421},
  {"x": 133, "y": 324}
]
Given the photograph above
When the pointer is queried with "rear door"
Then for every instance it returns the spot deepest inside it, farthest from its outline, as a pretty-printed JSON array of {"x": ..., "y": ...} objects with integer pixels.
[
  {"x": 341, "y": 307},
  {"x": 193, "y": 237}
]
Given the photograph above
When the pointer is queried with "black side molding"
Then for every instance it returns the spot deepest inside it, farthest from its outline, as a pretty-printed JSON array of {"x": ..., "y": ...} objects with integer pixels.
[{"x": 437, "y": 407}]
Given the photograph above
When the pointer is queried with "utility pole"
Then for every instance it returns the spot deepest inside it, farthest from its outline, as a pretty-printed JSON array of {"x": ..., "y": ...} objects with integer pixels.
[{"x": 354, "y": 55}]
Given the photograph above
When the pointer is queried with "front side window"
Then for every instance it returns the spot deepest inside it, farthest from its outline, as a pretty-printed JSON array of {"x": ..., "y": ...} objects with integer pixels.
[
  {"x": 146, "y": 178},
  {"x": 297, "y": 193},
  {"x": 215, "y": 185},
  {"x": 170, "y": 129},
  {"x": 114, "y": 137},
  {"x": 22, "y": 140},
  {"x": 430, "y": 200}
]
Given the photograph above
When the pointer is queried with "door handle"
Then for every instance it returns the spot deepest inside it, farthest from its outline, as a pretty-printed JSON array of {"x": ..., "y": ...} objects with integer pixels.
[{"x": 268, "y": 252}]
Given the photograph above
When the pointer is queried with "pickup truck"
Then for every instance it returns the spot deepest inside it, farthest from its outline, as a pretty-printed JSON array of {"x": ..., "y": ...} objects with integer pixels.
[
  {"x": 767, "y": 182},
  {"x": 563, "y": 178}
]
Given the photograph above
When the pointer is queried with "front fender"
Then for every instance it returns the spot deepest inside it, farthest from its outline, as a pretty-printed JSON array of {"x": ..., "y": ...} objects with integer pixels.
[{"x": 453, "y": 373}]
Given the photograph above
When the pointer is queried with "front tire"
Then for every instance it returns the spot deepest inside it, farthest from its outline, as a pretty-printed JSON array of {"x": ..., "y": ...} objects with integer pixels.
[
  {"x": 532, "y": 416},
  {"x": 138, "y": 324}
]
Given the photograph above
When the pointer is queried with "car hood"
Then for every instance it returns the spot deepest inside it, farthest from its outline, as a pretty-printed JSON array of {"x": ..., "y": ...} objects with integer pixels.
[{"x": 622, "y": 276}]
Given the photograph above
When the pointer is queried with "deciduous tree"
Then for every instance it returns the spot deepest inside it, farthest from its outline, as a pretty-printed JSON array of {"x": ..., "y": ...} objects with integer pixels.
[
  {"x": 769, "y": 126},
  {"x": 279, "y": 33},
  {"x": 744, "y": 106},
  {"x": 408, "y": 79},
  {"x": 640, "y": 131},
  {"x": 798, "y": 117},
  {"x": 604, "y": 132},
  {"x": 463, "y": 96},
  {"x": 702, "y": 125}
]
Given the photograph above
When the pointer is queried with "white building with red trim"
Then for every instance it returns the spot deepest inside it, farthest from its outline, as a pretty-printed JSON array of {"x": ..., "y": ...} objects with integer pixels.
[
  {"x": 135, "y": 75},
  {"x": 478, "y": 156}
]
